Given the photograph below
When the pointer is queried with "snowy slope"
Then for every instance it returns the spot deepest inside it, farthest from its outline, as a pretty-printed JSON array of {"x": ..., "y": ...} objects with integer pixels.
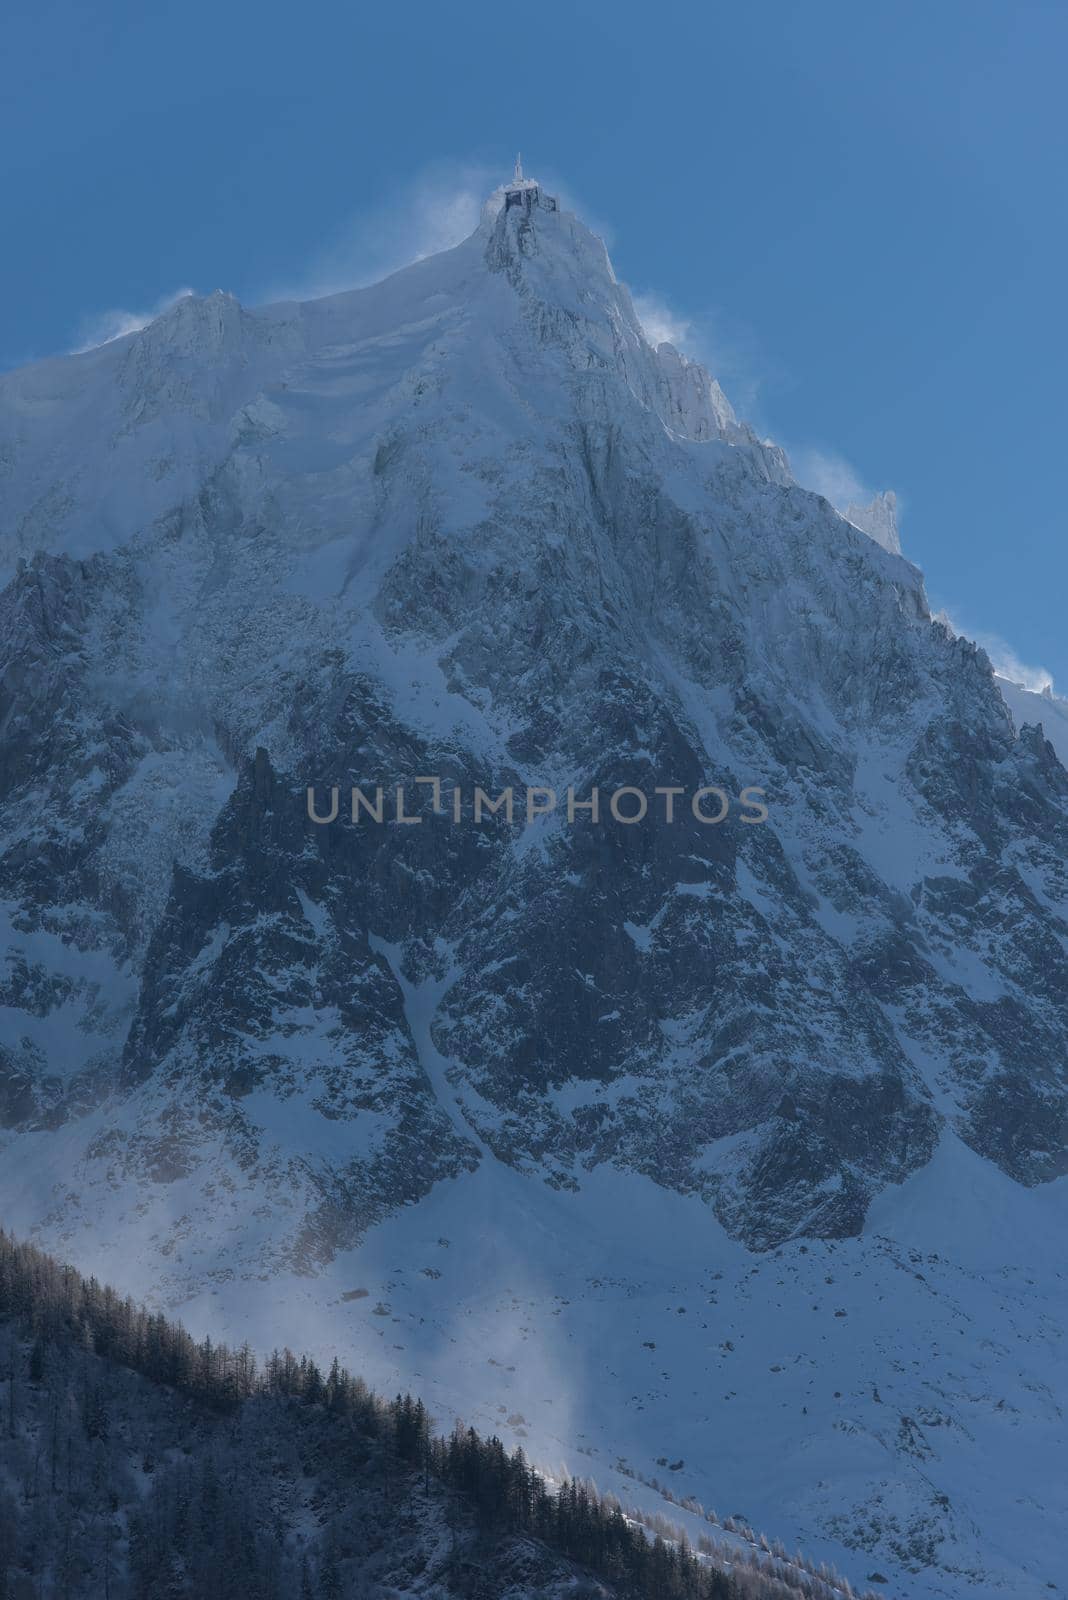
[
  {"x": 1046, "y": 710},
  {"x": 469, "y": 522}
]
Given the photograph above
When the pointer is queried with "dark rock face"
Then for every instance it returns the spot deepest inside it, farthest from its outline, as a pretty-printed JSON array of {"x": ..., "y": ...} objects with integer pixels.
[{"x": 469, "y": 525}]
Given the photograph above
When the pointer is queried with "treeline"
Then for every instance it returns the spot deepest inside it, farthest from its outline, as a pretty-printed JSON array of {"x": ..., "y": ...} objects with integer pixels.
[{"x": 202, "y": 1528}]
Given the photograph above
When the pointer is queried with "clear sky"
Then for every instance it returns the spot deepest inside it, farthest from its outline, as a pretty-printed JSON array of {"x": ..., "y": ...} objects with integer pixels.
[{"x": 854, "y": 211}]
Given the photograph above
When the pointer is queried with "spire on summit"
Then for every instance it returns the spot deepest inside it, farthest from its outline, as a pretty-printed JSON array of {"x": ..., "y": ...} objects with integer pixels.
[{"x": 526, "y": 192}]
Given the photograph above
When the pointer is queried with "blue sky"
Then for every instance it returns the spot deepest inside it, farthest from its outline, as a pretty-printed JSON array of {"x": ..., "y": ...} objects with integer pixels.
[{"x": 855, "y": 212}]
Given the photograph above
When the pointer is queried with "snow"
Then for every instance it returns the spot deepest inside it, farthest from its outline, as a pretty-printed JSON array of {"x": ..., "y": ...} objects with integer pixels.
[
  {"x": 878, "y": 520},
  {"x": 1048, "y": 710},
  {"x": 541, "y": 1306},
  {"x": 421, "y": 1001},
  {"x": 96, "y": 995}
]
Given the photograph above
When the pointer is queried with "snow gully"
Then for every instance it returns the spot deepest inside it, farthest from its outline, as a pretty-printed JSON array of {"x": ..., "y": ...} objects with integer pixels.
[{"x": 627, "y": 805}]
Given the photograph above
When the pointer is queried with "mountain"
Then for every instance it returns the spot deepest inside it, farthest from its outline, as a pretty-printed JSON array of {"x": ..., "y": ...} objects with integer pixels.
[{"x": 626, "y": 1136}]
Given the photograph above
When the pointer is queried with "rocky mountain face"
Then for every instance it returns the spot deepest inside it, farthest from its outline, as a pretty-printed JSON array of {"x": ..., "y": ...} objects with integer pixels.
[{"x": 468, "y": 524}]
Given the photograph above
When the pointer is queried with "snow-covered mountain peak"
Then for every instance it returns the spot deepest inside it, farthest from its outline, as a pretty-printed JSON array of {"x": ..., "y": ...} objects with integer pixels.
[
  {"x": 194, "y": 323},
  {"x": 100, "y": 446},
  {"x": 561, "y": 258},
  {"x": 878, "y": 520},
  {"x": 561, "y": 270}
]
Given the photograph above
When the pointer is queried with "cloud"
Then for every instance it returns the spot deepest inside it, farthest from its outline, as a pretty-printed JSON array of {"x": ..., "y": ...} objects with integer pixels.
[
  {"x": 108, "y": 325},
  {"x": 436, "y": 210},
  {"x": 831, "y": 476},
  {"x": 661, "y": 324},
  {"x": 1003, "y": 658},
  {"x": 730, "y": 351}
]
